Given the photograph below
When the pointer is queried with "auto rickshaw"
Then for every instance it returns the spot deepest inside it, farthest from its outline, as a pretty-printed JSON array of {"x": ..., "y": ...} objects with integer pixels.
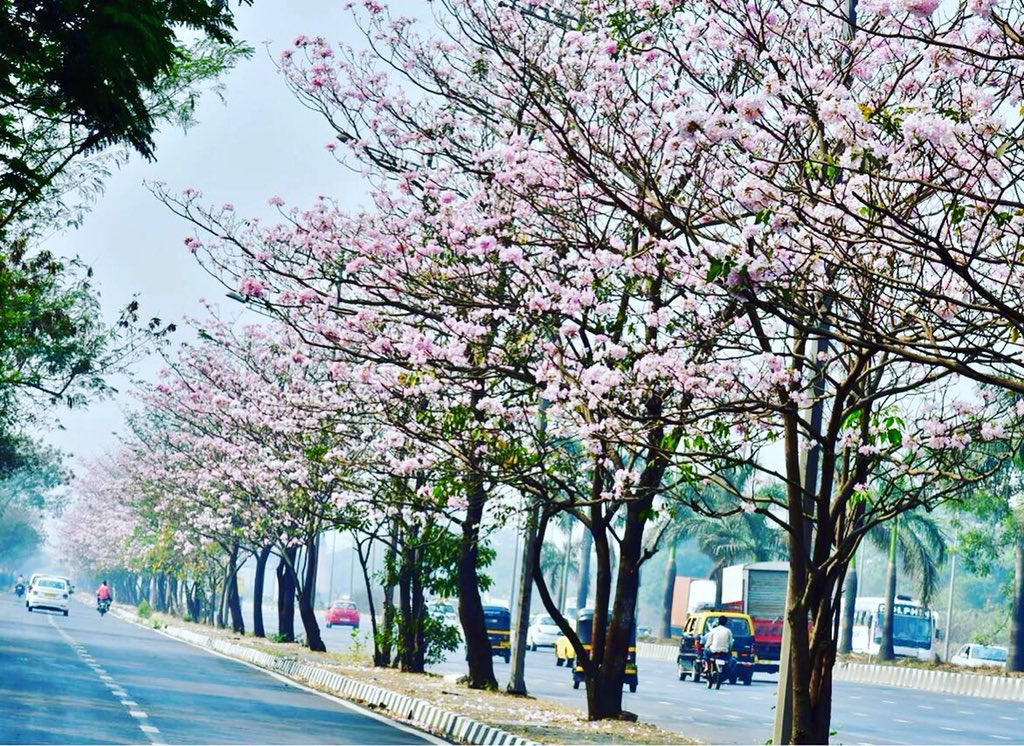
[
  {"x": 498, "y": 621},
  {"x": 584, "y": 629}
]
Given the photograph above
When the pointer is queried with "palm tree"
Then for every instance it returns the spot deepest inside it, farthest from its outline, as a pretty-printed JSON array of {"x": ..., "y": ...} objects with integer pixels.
[{"x": 727, "y": 540}]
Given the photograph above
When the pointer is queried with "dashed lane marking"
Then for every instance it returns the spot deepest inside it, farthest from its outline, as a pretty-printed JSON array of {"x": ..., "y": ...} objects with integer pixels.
[
  {"x": 905, "y": 722},
  {"x": 950, "y": 730},
  {"x": 1007, "y": 717},
  {"x": 151, "y": 731}
]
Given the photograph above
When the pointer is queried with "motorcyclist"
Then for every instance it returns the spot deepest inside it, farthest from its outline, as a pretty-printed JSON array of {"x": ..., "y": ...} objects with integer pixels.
[
  {"x": 19, "y": 586},
  {"x": 103, "y": 594},
  {"x": 718, "y": 641}
]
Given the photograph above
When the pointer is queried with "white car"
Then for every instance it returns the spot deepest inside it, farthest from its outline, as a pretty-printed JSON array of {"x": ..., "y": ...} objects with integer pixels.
[
  {"x": 48, "y": 592},
  {"x": 542, "y": 632},
  {"x": 974, "y": 655},
  {"x": 443, "y": 611}
]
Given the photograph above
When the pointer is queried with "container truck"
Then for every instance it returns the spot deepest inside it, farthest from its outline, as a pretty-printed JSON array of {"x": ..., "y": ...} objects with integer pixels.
[{"x": 759, "y": 590}]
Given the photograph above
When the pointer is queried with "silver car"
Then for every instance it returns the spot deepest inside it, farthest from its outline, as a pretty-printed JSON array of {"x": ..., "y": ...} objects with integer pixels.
[{"x": 48, "y": 592}]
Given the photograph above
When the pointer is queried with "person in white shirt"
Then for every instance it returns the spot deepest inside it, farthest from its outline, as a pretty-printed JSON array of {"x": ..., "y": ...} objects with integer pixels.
[{"x": 718, "y": 641}]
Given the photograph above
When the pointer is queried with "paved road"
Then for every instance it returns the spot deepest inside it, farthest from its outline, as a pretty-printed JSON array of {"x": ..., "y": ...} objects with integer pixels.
[
  {"x": 84, "y": 679},
  {"x": 861, "y": 713}
]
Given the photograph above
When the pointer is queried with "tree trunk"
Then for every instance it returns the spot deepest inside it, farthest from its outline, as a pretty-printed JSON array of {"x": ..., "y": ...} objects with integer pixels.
[
  {"x": 172, "y": 595},
  {"x": 583, "y": 589},
  {"x": 471, "y": 608},
  {"x": 257, "y": 592},
  {"x": 234, "y": 602},
  {"x": 382, "y": 657},
  {"x": 286, "y": 596},
  {"x": 670, "y": 587},
  {"x": 363, "y": 566},
  {"x": 306, "y": 596},
  {"x": 1015, "y": 659},
  {"x": 849, "y": 605},
  {"x": 604, "y": 688},
  {"x": 408, "y": 624},
  {"x": 885, "y": 649}
]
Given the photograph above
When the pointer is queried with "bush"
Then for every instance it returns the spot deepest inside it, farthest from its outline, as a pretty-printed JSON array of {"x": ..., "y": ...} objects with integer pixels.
[{"x": 143, "y": 609}]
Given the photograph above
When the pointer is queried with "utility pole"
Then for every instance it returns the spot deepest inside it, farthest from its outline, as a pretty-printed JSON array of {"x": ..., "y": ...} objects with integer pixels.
[
  {"x": 521, "y": 603},
  {"x": 330, "y": 591},
  {"x": 949, "y": 604}
]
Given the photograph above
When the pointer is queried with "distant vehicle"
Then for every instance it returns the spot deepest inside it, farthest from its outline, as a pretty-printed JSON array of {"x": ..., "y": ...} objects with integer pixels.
[
  {"x": 585, "y": 631},
  {"x": 47, "y": 592},
  {"x": 974, "y": 656},
  {"x": 499, "y": 628},
  {"x": 444, "y": 612},
  {"x": 759, "y": 589},
  {"x": 914, "y": 632},
  {"x": 542, "y": 632},
  {"x": 343, "y": 613},
  {"x": 564, "y": 651}
]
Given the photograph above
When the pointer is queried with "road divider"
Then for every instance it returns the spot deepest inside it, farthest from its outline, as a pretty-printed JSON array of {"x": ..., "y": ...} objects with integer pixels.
[
  {"x": 457, "y": 728},
  {"x": 946, "y": 682}
]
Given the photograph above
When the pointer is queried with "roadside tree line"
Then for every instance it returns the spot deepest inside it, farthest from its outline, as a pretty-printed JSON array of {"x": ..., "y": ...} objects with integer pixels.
[{"x": 610, "y": 253}]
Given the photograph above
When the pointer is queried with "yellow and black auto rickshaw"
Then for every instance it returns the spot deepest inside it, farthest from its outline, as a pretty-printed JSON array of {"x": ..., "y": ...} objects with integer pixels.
[
  {"x": 584, "y": 629},
  {"x": 499, "y": 626}
]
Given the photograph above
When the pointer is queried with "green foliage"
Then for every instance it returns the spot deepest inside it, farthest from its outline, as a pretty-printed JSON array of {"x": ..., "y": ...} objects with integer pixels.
[
  {"x": 143, "y": 609},
  {"x": 440, "y": 639}
]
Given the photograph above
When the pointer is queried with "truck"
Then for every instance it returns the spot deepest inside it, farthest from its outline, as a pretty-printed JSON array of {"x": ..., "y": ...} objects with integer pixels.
[
  {"x": 759, "y": 590},
  {"x": 687, "y": 595}
]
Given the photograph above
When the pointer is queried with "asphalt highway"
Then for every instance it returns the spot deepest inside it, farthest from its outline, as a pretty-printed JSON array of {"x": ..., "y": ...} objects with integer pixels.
[
  {"x": 861, "y": 713},
  {"x": 84, "y": 679}
]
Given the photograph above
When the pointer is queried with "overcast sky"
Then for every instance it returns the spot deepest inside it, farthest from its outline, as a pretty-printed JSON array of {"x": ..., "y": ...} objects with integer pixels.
[{"x": 257, "y": 143}]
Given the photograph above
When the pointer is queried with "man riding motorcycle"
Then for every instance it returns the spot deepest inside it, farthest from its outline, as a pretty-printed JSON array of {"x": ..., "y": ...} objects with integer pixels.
[
  {"x": 717, "y": 643},
  {"x": 19, "y": 587}
]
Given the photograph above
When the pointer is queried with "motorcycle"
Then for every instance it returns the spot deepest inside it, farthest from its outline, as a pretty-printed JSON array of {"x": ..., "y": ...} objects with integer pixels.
[
  {"x": 19, "y": 590},
  {"x": 102, "y": 605},
  {"x": 714, "y": 669}
]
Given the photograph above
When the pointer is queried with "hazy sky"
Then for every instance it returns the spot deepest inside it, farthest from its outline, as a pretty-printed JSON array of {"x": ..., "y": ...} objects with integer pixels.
[{"x": 257, "y": 143}]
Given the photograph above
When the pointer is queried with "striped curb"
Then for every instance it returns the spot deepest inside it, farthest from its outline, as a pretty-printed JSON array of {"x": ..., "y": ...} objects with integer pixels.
[
  {"x": 945, "y": 682},
  {"x": 449, "y": 725}
]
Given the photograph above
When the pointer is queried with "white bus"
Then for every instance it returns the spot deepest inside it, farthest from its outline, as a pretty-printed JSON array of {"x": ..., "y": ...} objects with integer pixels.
[{"x": 914, "y": 629}]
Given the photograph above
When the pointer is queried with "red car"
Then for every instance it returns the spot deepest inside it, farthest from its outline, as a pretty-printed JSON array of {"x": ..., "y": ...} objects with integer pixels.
[{"x": 343, "y": 612}]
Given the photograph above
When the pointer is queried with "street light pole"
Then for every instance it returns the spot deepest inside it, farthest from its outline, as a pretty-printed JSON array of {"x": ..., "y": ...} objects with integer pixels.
[
  {"x": 949, "y": 605},
  {"x": 330, "y": 592}
]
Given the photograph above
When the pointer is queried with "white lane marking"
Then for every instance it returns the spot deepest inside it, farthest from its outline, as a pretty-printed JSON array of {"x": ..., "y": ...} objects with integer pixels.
[
  {"x": 660, "y": 702},
  {"x": 905, "y": 722},
  {"x": 1001, "y": 738},
  {"x": 1007, "y": 717},
  {"x": 422, "y": 735},
  {"x": 889, "y": 701},
  {"x": 951, "y": 730},
  {"x": 151, "y": 731},
  {"x": 965, "y": 712},
  {"x": 925, "y": 707},
  {"x": 855, "y": 696},
  {"x": 861, "y": 714}
]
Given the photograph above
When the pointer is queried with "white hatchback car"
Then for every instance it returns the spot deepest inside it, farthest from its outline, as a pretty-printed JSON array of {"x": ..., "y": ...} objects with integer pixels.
[
  {"x": 48, "y": 592},
  {"x": 542, "y": 632},
  {"x": 974, "y": 655}
]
